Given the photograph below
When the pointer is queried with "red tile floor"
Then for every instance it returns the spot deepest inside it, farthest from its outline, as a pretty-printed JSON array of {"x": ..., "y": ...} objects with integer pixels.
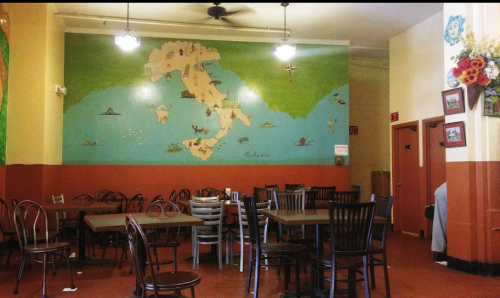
[{"x": 412, "y": 273}]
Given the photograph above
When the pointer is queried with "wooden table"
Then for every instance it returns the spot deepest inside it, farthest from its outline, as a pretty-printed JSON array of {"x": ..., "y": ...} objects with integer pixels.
[
  {"x": 318, "y": 217},
  {"x": 116, "y": 222},
  {"x": 82, "y": 210}
]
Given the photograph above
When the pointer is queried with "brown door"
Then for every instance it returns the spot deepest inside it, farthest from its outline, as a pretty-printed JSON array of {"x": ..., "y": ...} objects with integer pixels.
[{"x": 406, "y": 180}]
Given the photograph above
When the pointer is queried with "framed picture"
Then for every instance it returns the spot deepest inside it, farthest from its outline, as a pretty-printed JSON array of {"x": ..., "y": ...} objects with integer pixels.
[
  {"x": 454, "y": 134},
  {"x": 491, "y": 102},
  {"x": 453, "y": 101}
]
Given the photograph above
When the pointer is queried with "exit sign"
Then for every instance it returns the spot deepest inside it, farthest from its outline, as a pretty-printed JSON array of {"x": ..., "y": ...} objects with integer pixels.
[
  {"x": 353, "y": 130},
  {"x": 394, "y": 116}
]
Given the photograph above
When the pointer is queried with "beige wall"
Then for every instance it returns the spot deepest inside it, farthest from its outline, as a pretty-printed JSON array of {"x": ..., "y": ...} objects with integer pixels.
[{"x": 369, "y": 110}]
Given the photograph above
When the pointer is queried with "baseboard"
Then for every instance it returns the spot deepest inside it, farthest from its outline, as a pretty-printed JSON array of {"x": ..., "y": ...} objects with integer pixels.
[{"x": 474, "y": 267}]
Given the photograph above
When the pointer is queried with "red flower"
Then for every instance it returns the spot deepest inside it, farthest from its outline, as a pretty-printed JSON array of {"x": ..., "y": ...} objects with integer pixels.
[
  {"x": 482, "y": 79},
  {"x": 464, "y": 64},
  {"x": 457, "y": 72}
]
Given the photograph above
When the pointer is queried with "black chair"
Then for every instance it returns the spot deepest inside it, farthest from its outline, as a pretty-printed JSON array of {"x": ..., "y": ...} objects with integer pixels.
[
  {"x": 86, "y": 199},
  {"x": 8, "y": 231},
  {"x": 147, "y": 278},
  {"x": 357, "y": 187},
  {"x": 132, "y": 205},
  {"x": 293, "y": 186},
  {"x": 350, "y": 233},
  {"x": 323, "y": 195},
  {"x": 100, "y": 194},
  {"x": 345, "y": 196},
  {"x": 184, "y": 195},
  {"x": 33, "y": 242},
  {"x": 263, "y": 254},
  {"x": 378, "y": 241}
]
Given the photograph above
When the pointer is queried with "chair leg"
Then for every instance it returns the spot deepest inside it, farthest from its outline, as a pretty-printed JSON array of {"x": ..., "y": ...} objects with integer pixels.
[
  {"x": 20, "y": 273},
  {"x": 297, "y": 276},
  {"x": 256, "y": 278},
  {"x": 372, "y": 271},
  {"x": 365, "y": 277},
  {"x": 249, "y": 273},
  {"x": 386, "y": 276},
  {"x": 242, "y": 249},
  {"x": 44, "y": 295}
]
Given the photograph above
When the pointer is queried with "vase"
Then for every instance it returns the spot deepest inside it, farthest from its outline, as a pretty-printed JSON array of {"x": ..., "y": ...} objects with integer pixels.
[{"x": 473, "y": 92}]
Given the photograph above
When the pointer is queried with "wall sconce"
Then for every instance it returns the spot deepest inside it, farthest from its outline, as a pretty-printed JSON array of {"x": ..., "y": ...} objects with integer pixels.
[{"x": 61, "y": 90}]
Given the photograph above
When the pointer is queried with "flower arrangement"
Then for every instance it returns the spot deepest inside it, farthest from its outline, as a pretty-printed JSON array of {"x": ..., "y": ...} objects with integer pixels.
[{"x": 478, "y": 62}]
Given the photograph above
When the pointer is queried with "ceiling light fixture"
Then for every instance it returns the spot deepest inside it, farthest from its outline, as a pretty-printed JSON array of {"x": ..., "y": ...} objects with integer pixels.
[
  {"x": 284, "y": 49},
  {"x": 127, "y": 39}
]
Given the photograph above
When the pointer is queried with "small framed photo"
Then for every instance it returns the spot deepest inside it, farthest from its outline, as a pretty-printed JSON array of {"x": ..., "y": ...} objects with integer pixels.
[
  {"x": 453, "y": 101},
  {"x": 454, "y": 134}
]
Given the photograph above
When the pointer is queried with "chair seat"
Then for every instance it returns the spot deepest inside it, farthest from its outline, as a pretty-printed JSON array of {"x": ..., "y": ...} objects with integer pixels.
[
  {"x": 45, "y": 247},
  {"x": 169, "y": 281}
]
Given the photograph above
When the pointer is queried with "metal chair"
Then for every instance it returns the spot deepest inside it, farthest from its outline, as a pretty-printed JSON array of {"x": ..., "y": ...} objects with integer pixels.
[
  {"x": 350, "y": 233},
  {"x": 133, "y": 205},
  {"x": 65, "y": 224},
  {"x": 28, "y": 217},
  {"x": 100, "y": 194},
  {"x": 242, "y": 234},
  {"x": 7, "y": 230},
  {"x": 147, "y": 278},
  {"x": 212, "y": 232},
  {"x": 262, "y": 254},
  {"x": 86, "y": 199},
  {"x": 378, "y": 239}
]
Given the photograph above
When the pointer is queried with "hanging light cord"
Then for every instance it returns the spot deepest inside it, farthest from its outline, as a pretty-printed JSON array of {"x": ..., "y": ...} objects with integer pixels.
[
  {"x": 127, "y": 17},
  {"x": 284, "y": 4}
]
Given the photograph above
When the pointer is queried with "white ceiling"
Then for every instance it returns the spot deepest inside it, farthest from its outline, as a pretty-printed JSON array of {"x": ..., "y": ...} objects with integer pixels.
[{"x": 366, "y": 27}]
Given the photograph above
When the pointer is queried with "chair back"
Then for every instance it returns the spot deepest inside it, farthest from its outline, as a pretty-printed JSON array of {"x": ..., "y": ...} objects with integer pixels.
[
  {"x": 357, "y": 187},
  {"x": 30, "y": 220},
  {"x": 159, "y": 197},
  {"x": 173, "y": 196},
  {"x": 101, "y": 193},
  {"x": 138, "y": 242},
  {"x": 135, "y": 204},
  {"x": 383, "y": 209},
  {"x": 323, "y": 196},
  {"x": 212, "y": 192},
  {"x": 292, "y": 186},
  {"x": 205, "y": 199},
  {"x": 345, "y": 196},
  {"x": 211, "y": 212},
  {"x": 184, "y": 195},
  {"x": 5, "y": 219},
  {"x": 243, "y": 219},
  {"x": 350, "y": 227},
  {"x": 272, "y": 186},
  {"x": 311, "y": 196},
  {"x": 290, "y": 200},
  {"x": 162, "y": 208},
  {"x": 83, "y": 199},
  {"x": 252, "y": 214},
  {"x": 62, "y": 215},
  {"x": 263, "y": 194},
  {"x": 116, "y": 196}
]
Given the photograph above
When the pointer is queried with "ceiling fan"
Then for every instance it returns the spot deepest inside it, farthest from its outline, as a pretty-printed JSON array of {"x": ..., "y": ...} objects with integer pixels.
[{"x": 220, "y": 13}]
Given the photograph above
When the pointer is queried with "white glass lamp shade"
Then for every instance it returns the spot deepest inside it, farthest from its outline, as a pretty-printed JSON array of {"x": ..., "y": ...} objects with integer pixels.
[
  {"x": 127, "y": 40},
  {"x": 284, "y": 49}
]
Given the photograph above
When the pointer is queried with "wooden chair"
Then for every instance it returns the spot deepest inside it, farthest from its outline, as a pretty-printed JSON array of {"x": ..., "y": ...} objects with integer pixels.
[
  {"x": 65, "y": 223},
  {"x": 7, "y": 230},
  {"x": 378, "y": 239},
  {"x": 323, "y": 196},
  {"x": 147, "y": 278},
  {"x": 357, "y": 187},
  {"x": 28, "y": 215},
  {"x": 350, "y": 233},
  {"x": 267, "y": 254},
  {"x": 345, "y": 196},
  {"x": 212, "y": 232},
  {"x": 293, "y": 186},
  {"x": 242, "y": 234}
]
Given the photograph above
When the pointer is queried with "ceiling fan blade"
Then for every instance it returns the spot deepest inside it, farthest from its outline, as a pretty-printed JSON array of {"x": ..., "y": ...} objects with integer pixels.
[{"x": 242, "y": 10}]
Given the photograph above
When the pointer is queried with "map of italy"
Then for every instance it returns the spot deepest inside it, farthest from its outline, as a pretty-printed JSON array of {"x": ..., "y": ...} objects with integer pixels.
[{"x": 188, "y": 58}]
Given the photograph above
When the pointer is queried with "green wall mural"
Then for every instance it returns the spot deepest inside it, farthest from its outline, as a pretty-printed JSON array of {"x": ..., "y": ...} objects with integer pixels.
[
  {"x": 202, "y": 102},
  {"x": 4, "y": 71}
]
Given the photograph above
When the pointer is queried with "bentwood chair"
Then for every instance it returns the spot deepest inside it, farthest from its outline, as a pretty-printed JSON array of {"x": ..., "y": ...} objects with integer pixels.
[
  {"x": 7, "y": 230},
  {"x": 350, "y": 233},
  {"x": 100, "y": 194},
  {"x": 86, "y": 199},
  {"x": 212, "y": 232},
  {"x": 377, "y": 251},
  {"x": 132, "y": 205},
  {"x": 148, "y": 279},
  {"x": 267, "y": 254},
  {"x": 112, "y": 238},
  {"x": 242, "y": 234},
  {"x": 32, "y": 227}
]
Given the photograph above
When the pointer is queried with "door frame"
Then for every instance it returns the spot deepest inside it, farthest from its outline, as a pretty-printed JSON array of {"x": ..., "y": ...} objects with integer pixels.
[
  {"x": 426, "y": 193},
  {"x": 395, "y": 170}
]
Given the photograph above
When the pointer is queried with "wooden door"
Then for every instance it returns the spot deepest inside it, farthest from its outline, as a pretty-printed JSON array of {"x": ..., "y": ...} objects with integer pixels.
[{"x": 406, "y": 178}]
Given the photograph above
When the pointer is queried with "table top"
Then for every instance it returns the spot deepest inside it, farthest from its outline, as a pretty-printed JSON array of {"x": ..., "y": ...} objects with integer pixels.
[
  {"x": 306, "y": 217},
  {"x": 116, "y": 222},
  {"x": 97, "y": 206}
]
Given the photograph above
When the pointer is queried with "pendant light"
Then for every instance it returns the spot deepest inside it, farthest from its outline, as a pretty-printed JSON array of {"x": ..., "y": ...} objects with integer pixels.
[
  {"x": 284, "y": 49},
  {"x": 127, "y": 39}
]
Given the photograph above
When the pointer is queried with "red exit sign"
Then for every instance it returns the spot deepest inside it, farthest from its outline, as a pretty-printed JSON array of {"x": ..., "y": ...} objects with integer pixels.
[
  {"x": 353, "y": 130},
  {"x": 394, "y": 116}
]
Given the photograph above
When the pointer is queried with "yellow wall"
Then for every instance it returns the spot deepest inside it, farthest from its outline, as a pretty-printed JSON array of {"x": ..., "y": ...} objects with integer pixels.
[
  {"x": 416, "y": 74},
  {"x": 35, "y": 136}
]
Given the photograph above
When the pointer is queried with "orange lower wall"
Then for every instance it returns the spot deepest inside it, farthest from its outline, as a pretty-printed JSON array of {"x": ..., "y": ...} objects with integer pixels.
[
  {"x": 473, "y": 211},
  {"x": 39, "y": 182}
]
